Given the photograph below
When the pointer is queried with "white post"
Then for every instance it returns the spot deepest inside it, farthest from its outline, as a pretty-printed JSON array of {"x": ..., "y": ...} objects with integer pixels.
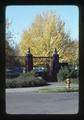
[
  {"x": 68, "y": 83},
  {"x": 24, "y": 70}
]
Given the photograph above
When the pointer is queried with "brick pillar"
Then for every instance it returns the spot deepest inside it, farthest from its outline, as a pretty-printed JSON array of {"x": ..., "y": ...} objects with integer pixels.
[
  {"x": 55, "y": 66},
  {"x": 29, "y": 61}
]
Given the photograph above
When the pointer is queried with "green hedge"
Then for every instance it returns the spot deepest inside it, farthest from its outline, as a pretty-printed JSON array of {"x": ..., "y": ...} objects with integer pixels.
[
  {"x": 62, "y": 75},
  {"x": 25, "y": 80},
  {"x": 67, "y": 72}
]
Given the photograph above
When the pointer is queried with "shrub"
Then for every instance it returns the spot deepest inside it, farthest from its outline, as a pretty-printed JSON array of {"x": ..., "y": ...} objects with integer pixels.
[
  {"x": 11, "y": 83},
  {"x": 25, "y": 80},
  {"x": 63, "y": 74},
  {"x": 74, "y": 73},
  {"x": 67, "y": 72}
]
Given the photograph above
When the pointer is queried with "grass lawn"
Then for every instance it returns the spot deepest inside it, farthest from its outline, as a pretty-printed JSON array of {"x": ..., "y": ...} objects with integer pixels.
[{"x": 57, "y": 89}]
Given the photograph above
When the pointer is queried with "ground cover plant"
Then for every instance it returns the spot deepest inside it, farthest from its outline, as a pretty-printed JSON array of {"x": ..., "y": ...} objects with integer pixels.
[{"x": 29, "y": 79}]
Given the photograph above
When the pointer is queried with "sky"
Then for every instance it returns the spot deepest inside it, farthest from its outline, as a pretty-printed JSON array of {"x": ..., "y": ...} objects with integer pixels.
[{"x": 23, "y": 16}]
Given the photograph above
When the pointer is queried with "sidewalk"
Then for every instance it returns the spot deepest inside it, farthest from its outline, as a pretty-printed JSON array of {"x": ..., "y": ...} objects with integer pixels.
[{"x": 31, "y": 89}]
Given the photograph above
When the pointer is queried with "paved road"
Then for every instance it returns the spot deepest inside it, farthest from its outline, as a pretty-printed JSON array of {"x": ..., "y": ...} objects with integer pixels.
[{"x": 24, "y": 102}]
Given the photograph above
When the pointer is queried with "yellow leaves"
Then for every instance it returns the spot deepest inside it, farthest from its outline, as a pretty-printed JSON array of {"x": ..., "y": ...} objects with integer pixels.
[{"x": 47, "y": 33}]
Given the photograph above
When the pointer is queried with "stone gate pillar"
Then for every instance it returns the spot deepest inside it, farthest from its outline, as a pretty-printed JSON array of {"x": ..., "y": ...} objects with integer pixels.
[
  {"x": 55, "y": 66},
  {"x": 29, "y": 61}
]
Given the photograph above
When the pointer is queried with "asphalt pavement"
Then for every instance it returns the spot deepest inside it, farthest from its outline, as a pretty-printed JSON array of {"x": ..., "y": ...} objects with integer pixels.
[{"x": 25, "y": 101}]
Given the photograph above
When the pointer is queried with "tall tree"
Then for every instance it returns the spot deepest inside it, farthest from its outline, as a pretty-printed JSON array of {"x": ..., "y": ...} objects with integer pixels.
[
  {"x": 9, "y": 43},
  {"x": 45, "y": 34},
  {"x": 9, "y": 39}
]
